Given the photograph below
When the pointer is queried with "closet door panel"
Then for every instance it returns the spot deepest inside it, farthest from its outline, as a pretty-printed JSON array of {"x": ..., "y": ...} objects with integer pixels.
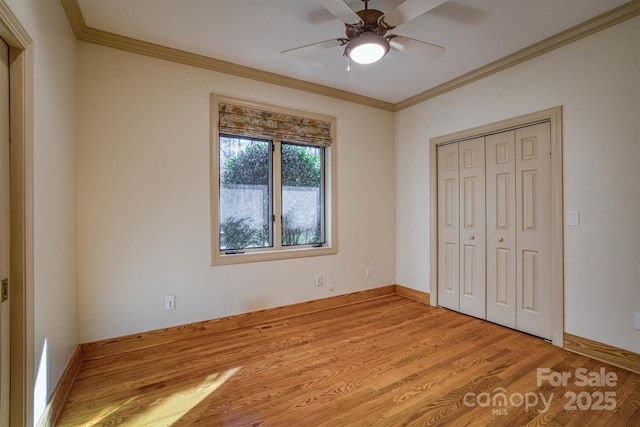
[
  {"x": 472, "y": 227},
  {"x": 533, "y": 201},
  {"x": 448, "y": 228},
  {"x": 501, "y": 228}
]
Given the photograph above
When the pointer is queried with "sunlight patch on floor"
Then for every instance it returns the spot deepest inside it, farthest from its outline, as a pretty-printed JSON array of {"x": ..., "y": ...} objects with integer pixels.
[
  {"x": 166, "y": 411},
  {"x": 106, "y": 412},
  {"x": 41, "y": 389}
]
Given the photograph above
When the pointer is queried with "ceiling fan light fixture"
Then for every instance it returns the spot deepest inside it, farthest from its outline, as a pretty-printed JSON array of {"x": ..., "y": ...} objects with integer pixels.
[{"x": 367, "y": 48}]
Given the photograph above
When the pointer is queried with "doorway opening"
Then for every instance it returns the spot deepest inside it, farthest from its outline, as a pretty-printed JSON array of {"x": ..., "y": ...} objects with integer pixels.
[{"x": 20, "y": 216}]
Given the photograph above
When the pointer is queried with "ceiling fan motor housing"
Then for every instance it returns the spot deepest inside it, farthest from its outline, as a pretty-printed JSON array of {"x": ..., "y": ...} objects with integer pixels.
[
  {"x": 367, "y": 39},
  {"x": 370, "y": 22}
]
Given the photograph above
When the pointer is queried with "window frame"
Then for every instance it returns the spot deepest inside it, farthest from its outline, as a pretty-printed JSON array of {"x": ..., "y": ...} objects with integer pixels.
[
  {"x": 277, "y": 251},
  {"x": 279, "y": 209},
  {"x": 270, "y": 186}
]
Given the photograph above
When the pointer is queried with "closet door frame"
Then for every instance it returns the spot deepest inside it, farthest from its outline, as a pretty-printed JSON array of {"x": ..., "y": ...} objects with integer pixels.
[{"x": 554, "y": 117}]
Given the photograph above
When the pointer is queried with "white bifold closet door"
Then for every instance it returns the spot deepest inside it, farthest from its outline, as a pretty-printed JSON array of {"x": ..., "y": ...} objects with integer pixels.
[
  {"x": 501, "y": 228},
  {"x": 519, "y": 229},
  {"x": 533, "y": 210},
  {"x": 472, "y": 228},
  {"x": 494, "y": 225},
  {"x": 461, "y": 218},
  {"x": 448, "y": 228}
]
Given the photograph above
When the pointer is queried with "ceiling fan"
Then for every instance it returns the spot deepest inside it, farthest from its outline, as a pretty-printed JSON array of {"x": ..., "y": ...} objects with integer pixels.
[{"x": 366, "y": 38}]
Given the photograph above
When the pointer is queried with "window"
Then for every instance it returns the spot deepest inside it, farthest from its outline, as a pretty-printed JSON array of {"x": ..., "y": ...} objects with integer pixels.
[
  {"x": 245, "y": 193},
  {"x": 273, "y": 183},
  {"x": 302, "y": 195}
]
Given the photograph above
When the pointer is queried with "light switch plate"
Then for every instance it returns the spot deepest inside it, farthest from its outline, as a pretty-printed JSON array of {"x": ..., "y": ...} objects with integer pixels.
[
  {"x": 573, "y": 218},
  {"x": 170, "y": 302}
]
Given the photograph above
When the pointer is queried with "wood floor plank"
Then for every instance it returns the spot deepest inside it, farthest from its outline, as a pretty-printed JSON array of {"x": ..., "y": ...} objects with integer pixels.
[{"x": 389, "y": 361}]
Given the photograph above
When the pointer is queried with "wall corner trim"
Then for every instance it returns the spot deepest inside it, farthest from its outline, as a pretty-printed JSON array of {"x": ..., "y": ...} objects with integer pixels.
[{"x": 413, "y": 294}]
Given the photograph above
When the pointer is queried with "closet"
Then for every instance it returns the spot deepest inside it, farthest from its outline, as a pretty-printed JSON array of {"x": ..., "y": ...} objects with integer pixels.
[{"x": 494, "y": 228}]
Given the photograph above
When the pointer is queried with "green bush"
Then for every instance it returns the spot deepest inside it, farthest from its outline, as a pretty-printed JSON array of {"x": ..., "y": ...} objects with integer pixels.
[
  {"x": 237, "y": 233},
  {"x": 300, "y": 167}
]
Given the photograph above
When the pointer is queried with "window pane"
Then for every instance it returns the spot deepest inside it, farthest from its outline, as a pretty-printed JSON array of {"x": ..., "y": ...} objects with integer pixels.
[
  {"x": 245, "y": 196},
  {"x": 302, "y": 195}
]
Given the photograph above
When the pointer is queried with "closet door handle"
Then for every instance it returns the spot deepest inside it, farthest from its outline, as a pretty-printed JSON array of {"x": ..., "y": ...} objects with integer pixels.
[{"x": 500, "y": 239}]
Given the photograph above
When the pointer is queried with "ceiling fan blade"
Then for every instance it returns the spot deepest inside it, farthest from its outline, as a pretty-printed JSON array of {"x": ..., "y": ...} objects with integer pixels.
[
  {"x": 408, "y": 10},
  {"x": 310, "y": 48},
  {"x": 341, "y": 10},
  {"x": 416, "y": 48}
]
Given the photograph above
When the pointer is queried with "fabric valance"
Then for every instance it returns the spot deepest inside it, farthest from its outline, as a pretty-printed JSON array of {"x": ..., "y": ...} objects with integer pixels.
[{"x": 256, "y": 123}]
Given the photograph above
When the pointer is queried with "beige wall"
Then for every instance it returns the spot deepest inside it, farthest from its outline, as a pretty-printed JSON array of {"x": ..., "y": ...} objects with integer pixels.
[
  {"x": 142, "y": 212},
  {"x": 143, "y": 199},
  {"x": 597, "y": 82},
  {"x": 54, "y": 192}
]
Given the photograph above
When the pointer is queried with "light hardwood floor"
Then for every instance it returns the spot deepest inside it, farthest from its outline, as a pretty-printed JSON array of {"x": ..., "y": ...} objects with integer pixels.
[{"x": 385, "y": 362}]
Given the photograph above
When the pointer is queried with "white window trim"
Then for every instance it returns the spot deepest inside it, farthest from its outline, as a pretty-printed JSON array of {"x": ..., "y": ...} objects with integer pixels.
[{"x": 276, "y": 252}]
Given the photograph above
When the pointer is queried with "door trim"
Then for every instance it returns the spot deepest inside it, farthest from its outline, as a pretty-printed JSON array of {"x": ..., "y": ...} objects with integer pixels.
[
  {"x": 554, "y": 116},
  {"x": 21, "y": 55}
]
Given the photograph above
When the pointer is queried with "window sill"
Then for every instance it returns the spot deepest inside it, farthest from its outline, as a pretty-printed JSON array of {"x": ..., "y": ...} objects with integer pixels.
[{"x": 241, "y": 258}]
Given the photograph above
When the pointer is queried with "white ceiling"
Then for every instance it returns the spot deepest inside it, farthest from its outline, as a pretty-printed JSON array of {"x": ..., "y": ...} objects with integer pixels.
[{"x": 253, "y": 33}]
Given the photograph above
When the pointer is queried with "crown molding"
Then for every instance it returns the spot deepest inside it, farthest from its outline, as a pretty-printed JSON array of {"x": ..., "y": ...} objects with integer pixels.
[
  {"x": 74, "y": 15},
  {"x": 591, "y": 26},
  {"x": 104, "y": 38},
  {"x": 11, "y": 29}
]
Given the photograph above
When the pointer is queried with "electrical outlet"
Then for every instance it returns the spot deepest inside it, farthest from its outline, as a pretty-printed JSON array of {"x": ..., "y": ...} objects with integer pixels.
[
  {"x": 169, "y": 302},
  {"x": 369, "y": 271},
  {"x": 318, "y": 279}
]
